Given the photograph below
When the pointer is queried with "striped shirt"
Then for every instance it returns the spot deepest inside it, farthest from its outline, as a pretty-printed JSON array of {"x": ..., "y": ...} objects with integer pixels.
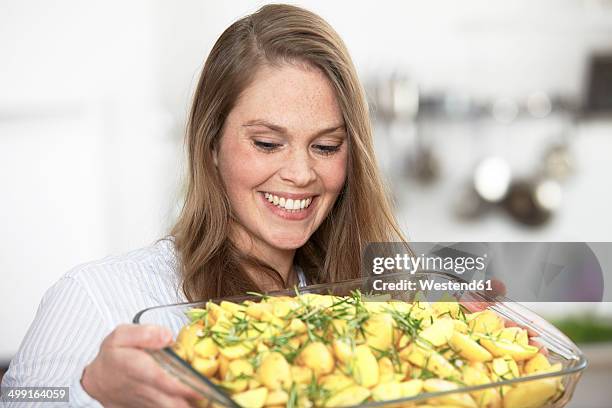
[{"x": 83, "y": 307}]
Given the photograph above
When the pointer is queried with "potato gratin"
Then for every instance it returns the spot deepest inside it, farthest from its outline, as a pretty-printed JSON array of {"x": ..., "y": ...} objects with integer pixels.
[{"x": 331, "y": 351}]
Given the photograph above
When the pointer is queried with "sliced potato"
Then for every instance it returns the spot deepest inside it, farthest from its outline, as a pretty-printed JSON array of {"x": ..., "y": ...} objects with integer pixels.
[
  {"x": 352, "y": 395},
  {"x": 500, "y": 348},
  {"x": 486, "y": 322},
  {"x": 539, "y": 362},
  {"x": 365, "y": 367},
  {"x": 379, "y": 331},
  {"x": 252, "y": 398},
  {"x": 439, "y": 332},
  {"x": 327, "y": 351},
  {"x": 274, "y": 372},
  {"x": 459, "y": 399},
  {"x": 468, "y": 348},
  {"x": 531, "y": 394},
  {"x": 206, "y": 348},
  {"x": 318, "y": 357}
]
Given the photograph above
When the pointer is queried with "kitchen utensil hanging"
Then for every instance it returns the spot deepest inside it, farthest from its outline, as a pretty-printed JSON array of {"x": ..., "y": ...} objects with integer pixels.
[{"x": 532, "y": 200}]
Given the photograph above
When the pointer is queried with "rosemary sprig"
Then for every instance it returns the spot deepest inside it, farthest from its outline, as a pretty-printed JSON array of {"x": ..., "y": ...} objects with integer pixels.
[
  {"x": 406, "y": 323},
  {"x": 293, "y": 397},
  {"x": 263, "y": 296},
  {"x": 317, "y": 392}
]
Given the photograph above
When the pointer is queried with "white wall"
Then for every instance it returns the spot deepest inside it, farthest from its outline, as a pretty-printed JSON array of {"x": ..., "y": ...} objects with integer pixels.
[
  {"x": 87, "y": 165},
  {"x": 94, "y": 95}
]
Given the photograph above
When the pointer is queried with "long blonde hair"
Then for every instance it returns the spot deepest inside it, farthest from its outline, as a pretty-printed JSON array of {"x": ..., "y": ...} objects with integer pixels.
[{"x": 211, "y": 265}]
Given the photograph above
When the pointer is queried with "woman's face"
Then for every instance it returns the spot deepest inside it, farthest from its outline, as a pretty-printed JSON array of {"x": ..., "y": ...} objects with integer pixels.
[{"x": 283, "y": 156}]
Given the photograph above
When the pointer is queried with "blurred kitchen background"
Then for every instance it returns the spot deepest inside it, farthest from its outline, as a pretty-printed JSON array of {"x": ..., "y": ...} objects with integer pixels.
[{"x": 493, "y": 122}]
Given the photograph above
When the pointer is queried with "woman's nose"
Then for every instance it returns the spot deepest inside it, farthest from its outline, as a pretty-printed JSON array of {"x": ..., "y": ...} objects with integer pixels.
[{"x": 298, "y": 169}]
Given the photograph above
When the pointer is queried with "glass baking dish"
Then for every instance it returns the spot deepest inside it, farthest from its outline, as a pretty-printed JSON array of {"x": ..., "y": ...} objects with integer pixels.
[{"x": 560, "y": 348}]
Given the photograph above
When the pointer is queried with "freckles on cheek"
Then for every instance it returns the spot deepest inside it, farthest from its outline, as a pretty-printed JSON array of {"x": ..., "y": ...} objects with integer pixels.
[
  {"x": 242, "y": 167},
  {"x": 334, "y": 176}
]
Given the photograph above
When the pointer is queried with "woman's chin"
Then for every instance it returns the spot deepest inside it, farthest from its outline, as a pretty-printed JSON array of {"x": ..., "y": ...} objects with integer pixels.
[{"x": 288, "y": 243}]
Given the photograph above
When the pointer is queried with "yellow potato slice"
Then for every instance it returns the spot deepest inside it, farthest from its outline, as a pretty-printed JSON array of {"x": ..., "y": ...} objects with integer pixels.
[
  {"x": 430, "y": 360},
  {"x": 460, "y": 326},
  {"x": 278, "y": 397},
  {"x": 500, "y": 348},
  {"x": 365, "y": 367},
  {"x": 237, "y": 351},
  {"x": 459, "y": 399},
  {"x": 335, "y": 382},
  {"x": 233, "y": 308},
  {"x": 297, "y": 326},
  {"x": 486, "y": 322},
  {"x": 504, "y": 368},
  {"x": 450, "y": 309},
  {"x": 379, "y": 331},
  {"x": 252, "y": 398},
  {"x": 274, "y": 371},
  {"x": 439, "y": 332},
  {"x": 477, "y": 375},
  {"x": 206, "y": 348},
  {"x": 468, "y": 348},
  {"x": 342, "y": 350},
  {"x": 532, "y": 394},
  {"x": 539, "y": 362},
  {"x": 411, "y": 388},
  {"x": 187, "y": 338},
  {"x": 205, "y": 366},
  {"x": 300, "y": 374},
  {"x": 216, "y": 311},
  {"x": 284, "y": 307},
  {"x": 318, "y": 357},
  {"x": 387, "y": 391},
  {"x": 513, "y": 335},
  {"x": 255, "y": 310},
  {"x": 352, "y": 395},
  {"x": 386, "y": 371}
]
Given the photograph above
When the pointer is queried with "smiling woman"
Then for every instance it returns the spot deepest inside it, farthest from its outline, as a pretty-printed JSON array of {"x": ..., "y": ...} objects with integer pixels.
[
  {"x": 282, "y": 169},
  {"x": 283, "y": 187}
]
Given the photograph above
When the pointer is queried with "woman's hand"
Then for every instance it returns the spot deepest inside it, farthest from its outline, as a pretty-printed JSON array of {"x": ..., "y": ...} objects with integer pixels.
[{"x": 124, "y": 375}]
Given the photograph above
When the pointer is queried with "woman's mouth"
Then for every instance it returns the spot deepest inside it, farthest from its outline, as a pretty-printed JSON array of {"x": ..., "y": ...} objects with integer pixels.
[
  {"x": 288, "y": 204},
  {"x": 296, "y": 208}
]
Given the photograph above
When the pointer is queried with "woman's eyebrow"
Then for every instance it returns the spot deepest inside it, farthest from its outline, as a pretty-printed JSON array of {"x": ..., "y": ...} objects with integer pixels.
[{"x": 283, "y": 130}]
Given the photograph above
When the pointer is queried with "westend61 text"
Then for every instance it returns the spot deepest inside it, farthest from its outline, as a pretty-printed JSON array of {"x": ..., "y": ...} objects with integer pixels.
[{"x": 405, "y": 284}]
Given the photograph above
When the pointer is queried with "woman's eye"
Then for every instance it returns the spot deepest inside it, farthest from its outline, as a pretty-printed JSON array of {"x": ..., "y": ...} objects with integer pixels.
[
  {"x": 327, "y": 149},
  {"x": 266, "y": 146}
]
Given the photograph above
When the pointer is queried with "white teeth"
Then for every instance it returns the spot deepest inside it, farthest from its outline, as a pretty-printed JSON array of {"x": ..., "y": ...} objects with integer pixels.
[{"x": 288, "y": 204}]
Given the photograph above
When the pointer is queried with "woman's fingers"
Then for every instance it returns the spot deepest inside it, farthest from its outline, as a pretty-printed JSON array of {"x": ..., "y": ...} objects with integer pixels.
[
  {"x": 125, "y": 374},
  {"x": 530, "y": 332},
  {"x": 474, "y": 307},
  {"x": 498, "y": 288},
  {"x": 139, "y": 336}
]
